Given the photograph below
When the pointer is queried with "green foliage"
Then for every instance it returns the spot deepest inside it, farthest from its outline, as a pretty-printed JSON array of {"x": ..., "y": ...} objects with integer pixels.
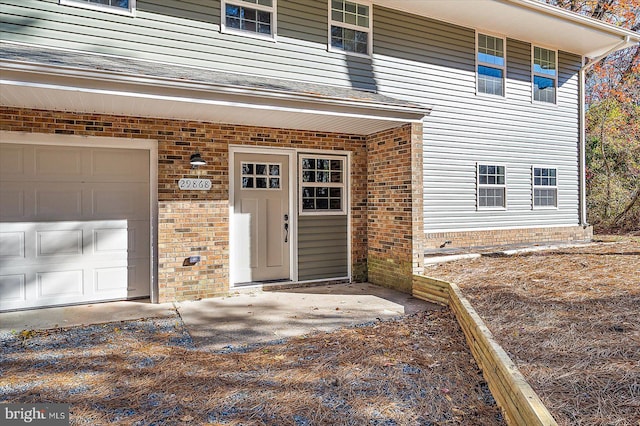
[{"x": 613, "y": 165}]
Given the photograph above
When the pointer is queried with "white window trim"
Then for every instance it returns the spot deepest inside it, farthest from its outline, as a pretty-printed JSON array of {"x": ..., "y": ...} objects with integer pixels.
[
  {"x": 534, "y": 186},
  {"x": 503, "y": 68},
  {"x": 368, "y": 30},
  {"x": 478, "y": 186},
  {"x": 534, "y": 74},
  {"x": 274, "y": 19},
  {"x": 344, "y": 185},
  {"x": 102, "y": 8}
]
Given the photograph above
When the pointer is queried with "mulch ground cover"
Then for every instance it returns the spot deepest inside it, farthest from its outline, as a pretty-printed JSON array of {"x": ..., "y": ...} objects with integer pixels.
[
  {"x": 416, "y": 370},
  {"x": 570, "y": 320}
]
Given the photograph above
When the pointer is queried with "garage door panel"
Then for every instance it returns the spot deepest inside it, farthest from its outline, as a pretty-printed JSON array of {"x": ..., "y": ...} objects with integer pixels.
[
  {"x": 11, "y": 202},
  {"x": 54, "y": 203},
  {"x": 60, "y": 284},
  {"x": 139, "y": 272},
  {"x": 118, "y": 201},
  {"x": 12, "y": 161},
  {"x": 59, "y": 243},
  {"x": 119, "y": 166},
  {"x": 111, "y": 240},
  {"x": 68, "y": 238},
  {"x": 57, "y": 163},
  {"x": 111, "y": 279},
  {"x": 12, "y": 245},
  {"x": 13, "y": 288}
]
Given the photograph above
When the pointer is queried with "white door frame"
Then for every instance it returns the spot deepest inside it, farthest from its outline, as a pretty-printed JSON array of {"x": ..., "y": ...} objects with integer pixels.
[
  {"x": 150, "y": 145},
  {"x": 293, "y": 217}
]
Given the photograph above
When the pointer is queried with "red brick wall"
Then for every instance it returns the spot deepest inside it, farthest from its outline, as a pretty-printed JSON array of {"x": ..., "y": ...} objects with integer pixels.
[
  {"x": 395, "y": 250},
  {"x": 196, "y": 222},
  {"x": 494, "y": 238}
]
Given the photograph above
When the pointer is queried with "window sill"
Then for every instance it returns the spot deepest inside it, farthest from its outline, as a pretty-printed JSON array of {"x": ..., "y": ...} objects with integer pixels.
[
  {"x": 248, "y": 34},
  {"x": 323, "y": 213},
  {"x": 108, "y": 9},
  {"x": 489, "y": 209},
  {"x": 346, "y": 52},
  {"x": 490, "y": 96}
]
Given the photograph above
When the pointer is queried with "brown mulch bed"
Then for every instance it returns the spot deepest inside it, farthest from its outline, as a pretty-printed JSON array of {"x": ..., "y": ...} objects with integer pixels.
[
  {"x": 415, "y": 370},
  {"x": 570, "y": 320}
]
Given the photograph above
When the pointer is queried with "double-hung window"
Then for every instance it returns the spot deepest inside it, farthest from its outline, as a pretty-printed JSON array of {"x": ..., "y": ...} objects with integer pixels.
[
  {"x": 492, "y": 187},
  {"x": 116, "y": 6},
  {"x": 350, "y": 26},
  {"x": 322, "y": 184},
  {"x": 545, "y": 75},
  {"x": 491, "y": 64},
  {"x": 256, "y": 17},
  {"x": 545, "y": 187}
]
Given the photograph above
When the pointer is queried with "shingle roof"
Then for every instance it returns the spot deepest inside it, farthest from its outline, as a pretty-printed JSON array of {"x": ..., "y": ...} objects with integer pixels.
[{"x": 58, "y": 58}]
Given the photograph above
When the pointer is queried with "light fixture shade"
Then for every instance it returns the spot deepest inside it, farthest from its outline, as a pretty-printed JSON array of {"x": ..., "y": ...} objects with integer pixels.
[{"x": 197, "y": 160}]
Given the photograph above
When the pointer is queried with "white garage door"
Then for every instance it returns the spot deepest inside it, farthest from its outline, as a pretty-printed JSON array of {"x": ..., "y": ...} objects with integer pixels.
[{"x": 74, "y": 225}]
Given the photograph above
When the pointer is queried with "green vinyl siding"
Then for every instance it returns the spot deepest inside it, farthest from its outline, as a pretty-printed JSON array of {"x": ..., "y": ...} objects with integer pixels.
[
  {"x": 424, "y": 61},
  {"x": 322, "y": 247}
]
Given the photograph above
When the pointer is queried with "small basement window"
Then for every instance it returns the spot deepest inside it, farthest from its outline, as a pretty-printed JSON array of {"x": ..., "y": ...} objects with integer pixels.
[
  {"x": 249, "y": 17},
  {"x": 322, "y": 185},
  {"x": 492, "y": 188},
  {"x": 545, "y": 187}
]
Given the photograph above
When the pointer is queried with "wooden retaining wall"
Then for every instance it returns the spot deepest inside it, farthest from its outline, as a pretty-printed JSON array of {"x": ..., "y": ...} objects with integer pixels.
[{"x": 518, "y": 401}]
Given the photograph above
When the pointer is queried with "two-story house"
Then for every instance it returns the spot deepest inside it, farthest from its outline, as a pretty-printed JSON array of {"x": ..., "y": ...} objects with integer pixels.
[{"x": 181, "y": 149}]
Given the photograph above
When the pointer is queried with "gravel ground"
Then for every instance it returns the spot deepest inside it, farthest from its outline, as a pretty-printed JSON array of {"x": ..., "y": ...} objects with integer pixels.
[{"x": 415, "y": 370}]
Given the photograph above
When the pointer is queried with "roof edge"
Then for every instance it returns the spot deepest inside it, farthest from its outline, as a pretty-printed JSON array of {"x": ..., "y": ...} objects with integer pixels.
[{"x": 568, "y": 15}]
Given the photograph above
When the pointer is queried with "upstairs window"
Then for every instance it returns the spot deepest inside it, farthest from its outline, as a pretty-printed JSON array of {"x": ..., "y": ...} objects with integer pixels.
[
  {"x": 545, "y": 187},
  {"x": 491, "y": 64},
  {"x": 255, "y": 17},
  {"x": 350, "y": 27},
  {"x": 492, "y": 187},
  {"x": 545, "y": 75},
  {"x": 116, "y": 6}
]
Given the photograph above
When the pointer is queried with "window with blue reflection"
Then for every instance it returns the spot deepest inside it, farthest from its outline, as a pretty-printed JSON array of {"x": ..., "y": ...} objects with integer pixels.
[
  {"x": 544, "y": 75},
  {"x": 491, "y": 64}
]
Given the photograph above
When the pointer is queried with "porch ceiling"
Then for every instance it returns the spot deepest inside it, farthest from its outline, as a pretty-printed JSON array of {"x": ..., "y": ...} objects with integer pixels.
[
  {"x": 41, "y": 78},
  {"x": 527, "y": 20}
]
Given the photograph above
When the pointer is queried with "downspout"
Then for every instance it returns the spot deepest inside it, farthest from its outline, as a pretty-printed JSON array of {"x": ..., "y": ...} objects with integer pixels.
[{"x": 582, "y": 137}]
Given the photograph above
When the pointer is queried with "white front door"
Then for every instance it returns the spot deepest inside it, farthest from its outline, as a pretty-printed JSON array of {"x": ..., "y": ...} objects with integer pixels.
[{"x": 261, "y": 223}]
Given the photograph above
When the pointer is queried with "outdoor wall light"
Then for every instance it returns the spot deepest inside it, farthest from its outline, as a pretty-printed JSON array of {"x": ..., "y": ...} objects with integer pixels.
[{"x": 196, "y": 160}]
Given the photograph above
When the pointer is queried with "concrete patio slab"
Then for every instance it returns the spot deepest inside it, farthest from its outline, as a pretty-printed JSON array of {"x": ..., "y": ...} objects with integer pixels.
[
  {"x": 70, "y": 316},
  {"x": 248, "y": 318}
]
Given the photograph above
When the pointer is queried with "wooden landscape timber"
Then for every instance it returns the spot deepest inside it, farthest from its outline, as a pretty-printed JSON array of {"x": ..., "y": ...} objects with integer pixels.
[{"x": 519, "y": 402}]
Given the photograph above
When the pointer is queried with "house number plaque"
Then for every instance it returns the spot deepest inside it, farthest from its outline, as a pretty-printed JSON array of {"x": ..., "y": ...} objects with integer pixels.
[{"x": 194, "y": 184}]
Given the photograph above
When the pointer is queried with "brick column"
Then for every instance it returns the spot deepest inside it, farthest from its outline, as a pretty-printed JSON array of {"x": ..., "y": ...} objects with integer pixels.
[{"x": 395, "y": 224}]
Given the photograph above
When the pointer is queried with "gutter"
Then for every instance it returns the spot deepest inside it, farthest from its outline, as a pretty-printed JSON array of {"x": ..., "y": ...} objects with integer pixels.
[{"x": 582, "y": 140}]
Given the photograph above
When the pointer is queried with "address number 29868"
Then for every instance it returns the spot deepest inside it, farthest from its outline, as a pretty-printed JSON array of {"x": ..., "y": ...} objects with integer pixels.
[{"x": 194, "y": 184}]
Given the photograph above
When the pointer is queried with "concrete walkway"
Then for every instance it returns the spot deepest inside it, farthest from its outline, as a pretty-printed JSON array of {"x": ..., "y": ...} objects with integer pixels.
[{"x": 244, "y": 318}]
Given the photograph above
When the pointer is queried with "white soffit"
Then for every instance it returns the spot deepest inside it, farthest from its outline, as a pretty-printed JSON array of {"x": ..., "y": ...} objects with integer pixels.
[
  {"x": 526, "y": 20},
  {"x": 204, "y": 106}
]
